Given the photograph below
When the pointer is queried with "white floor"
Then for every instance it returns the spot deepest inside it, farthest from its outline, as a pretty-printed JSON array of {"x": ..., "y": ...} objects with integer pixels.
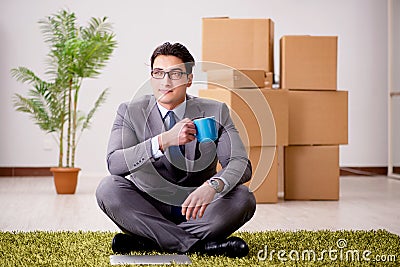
[{"x": 29, "y": 204}]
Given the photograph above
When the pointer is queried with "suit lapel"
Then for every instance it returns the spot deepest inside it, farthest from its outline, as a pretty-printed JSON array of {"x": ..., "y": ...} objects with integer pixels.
[
  {"x": 193, "y": 109},
  {"x": 152, "y": 116}
]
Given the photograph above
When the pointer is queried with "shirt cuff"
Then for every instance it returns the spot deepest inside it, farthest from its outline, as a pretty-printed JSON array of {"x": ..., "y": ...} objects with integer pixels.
[{"x": 155, "y": 148}]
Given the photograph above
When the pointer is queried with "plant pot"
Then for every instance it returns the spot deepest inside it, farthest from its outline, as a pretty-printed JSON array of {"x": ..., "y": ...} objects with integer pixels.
[{"x": 65, "y": 179}]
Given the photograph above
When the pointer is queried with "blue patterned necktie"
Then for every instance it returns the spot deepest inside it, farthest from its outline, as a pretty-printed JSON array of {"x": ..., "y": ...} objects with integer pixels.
[
  {"x": 176, "y": 152},
  {"x": 172, "y": 120},
  {"x": 177, "y": 159}
]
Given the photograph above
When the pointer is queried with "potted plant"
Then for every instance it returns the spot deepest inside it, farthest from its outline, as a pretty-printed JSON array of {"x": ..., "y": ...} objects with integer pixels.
[{"x": 75, "y": 53}]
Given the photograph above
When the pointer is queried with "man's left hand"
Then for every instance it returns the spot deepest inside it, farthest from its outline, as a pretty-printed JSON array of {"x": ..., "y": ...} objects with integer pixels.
[{"x": 197, "y": 202}]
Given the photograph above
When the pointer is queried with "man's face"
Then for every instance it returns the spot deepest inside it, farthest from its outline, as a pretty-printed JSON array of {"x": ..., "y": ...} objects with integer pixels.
[{"x": 170, "y": 92}]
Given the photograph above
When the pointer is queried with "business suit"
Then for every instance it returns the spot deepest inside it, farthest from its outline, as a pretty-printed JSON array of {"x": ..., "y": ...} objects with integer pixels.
[{"x": 142, "y": 204}]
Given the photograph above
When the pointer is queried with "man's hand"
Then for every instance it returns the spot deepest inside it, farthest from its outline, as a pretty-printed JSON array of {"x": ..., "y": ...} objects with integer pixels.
[
  {"x": 197, "y": 202},
  {"x": 183, "y": 132}
]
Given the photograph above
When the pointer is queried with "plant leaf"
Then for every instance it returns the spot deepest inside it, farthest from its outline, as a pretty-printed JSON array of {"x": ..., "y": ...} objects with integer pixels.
[{"x": 100, "y": 100}]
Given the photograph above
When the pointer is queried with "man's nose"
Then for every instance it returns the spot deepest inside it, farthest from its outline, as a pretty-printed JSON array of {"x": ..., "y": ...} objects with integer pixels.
[{"x": 166, "y": 80}]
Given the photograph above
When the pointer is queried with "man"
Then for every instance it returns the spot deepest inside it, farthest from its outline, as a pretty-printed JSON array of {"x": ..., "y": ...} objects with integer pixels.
[{"x": 172, "y": 198}]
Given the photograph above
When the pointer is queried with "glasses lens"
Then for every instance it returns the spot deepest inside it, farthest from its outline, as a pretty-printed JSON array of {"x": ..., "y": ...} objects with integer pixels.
[
  {"x": 158, "y": 74},
  {"x": 175, "y": 75}
]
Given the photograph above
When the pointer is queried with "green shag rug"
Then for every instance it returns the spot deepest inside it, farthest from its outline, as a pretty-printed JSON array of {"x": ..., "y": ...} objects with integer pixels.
[{"x": 273, "y": 248}]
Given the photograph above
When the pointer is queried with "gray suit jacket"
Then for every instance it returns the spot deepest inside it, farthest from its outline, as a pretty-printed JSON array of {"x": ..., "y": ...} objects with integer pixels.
[{"x": 129, "y": 150}]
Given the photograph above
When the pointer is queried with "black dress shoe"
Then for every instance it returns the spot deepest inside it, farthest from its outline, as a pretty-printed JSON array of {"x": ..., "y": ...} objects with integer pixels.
[
  {"x": 233, "y": 247},
  {"x": 124, "y": 244}
]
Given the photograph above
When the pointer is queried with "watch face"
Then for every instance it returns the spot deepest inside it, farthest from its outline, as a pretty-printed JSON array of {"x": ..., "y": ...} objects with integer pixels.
[{"x": 214, "y": 183}]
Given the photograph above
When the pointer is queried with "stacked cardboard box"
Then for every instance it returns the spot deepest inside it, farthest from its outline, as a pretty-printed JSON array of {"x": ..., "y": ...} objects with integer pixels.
[
  {"x": 317, "y": 117},
  {"x": 238, "y": 59},
  {"x": 308, "y": 62},
  {"x": 238, "y": 43},
  {"x": 238, "y": 53},
  {"x": 240, "y": 79}
]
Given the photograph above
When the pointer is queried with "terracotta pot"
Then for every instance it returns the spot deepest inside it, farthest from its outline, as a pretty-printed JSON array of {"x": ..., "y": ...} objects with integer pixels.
[{"x": 65, "y": 179}]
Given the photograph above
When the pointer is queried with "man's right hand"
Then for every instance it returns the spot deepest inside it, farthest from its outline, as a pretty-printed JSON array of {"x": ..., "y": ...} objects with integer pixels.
[{"x": 183, "y": 132}]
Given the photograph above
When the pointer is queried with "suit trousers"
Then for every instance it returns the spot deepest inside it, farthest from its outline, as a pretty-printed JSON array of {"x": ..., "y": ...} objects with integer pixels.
[{"x": 135, "y": 212}]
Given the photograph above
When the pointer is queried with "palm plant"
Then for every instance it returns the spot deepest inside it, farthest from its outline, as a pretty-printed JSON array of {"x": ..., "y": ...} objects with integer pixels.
[{"x": 75, "y": 53}]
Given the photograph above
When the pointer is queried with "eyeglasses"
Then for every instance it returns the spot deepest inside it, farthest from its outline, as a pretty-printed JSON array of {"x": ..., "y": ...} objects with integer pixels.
[{"x": 173, "y": 74}]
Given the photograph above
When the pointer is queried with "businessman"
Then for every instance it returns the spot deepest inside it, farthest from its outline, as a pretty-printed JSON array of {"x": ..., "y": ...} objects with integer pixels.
[{"x": 164, "y": 192}]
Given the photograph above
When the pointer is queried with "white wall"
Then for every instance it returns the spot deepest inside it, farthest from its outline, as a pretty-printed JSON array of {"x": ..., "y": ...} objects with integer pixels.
[{"x": 140, "y": 26}]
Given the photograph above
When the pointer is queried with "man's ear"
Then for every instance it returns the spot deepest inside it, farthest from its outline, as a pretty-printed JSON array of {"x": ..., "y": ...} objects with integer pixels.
[{"x": 190, "y": 80}]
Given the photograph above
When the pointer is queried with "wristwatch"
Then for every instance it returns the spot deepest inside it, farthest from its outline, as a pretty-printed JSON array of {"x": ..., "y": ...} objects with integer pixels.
[{"x": 214, "y": 184}]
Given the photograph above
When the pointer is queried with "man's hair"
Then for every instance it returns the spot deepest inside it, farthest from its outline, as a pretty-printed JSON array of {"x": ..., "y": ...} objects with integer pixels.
[{"x": 178, "y": 50}]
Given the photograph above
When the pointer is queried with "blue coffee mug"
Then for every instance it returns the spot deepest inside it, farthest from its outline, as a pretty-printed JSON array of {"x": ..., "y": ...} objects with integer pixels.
[{"x": 206, "y": 129}]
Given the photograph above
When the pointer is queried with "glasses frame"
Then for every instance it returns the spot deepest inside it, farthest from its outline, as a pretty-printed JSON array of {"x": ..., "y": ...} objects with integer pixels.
[{"x": 168, "y": 73}]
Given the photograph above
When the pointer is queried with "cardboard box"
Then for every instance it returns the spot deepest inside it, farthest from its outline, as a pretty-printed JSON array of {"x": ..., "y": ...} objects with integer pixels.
[
  {"x": 238, "y": 43},
  {"x": 264, "y": 182},
  {"x": 308, "y": 62},
  {"x": 236, "y": 79},
  {"x": 244, "y": 79},
  {"x": 261, "y": 115},
  {"x": 312, "y": 173},
  {"x": 318, "y": 117}
]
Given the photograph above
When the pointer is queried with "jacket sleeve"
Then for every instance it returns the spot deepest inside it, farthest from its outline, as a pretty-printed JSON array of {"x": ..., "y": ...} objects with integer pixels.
[
  {"x": 236, "y": 167},
  {"x": 125, "y": 153}
]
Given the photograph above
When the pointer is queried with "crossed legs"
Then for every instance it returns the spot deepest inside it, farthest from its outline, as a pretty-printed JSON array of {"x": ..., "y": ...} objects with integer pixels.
[{"x": 137, "y": 213}]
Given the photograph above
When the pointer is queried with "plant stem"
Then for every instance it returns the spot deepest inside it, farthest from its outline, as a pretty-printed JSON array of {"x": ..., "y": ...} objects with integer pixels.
[
  {"x": 60, "y": 154},
  {"x": 61, "y": 144},
  {"x": 69, "y": 121},
  {"x": 74, "y": 125}
]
